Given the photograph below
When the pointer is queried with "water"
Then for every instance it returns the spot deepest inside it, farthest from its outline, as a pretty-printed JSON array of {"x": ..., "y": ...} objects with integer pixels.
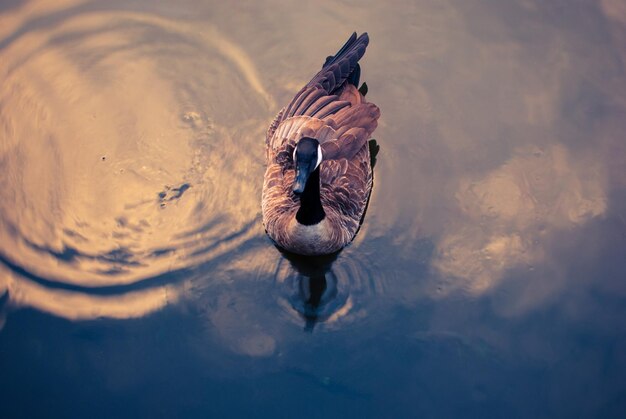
[{"x": 488, "y": 279}]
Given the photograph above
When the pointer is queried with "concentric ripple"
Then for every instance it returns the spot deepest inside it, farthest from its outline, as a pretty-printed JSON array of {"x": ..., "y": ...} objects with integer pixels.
[
  {"x": 118, "y": 169},
  {"x": 326, "y": 290}
]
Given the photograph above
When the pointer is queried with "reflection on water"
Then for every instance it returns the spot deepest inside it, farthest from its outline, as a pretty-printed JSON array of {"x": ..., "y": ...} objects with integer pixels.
[
  {"x": 125, "y": 163},
  {"x": 131, "y": 155},
  {"x": 114, "y": 165},
  {"x": 313, "y": 288},
  {"x": 508, "y": 216},
  {"x": 321, "y": 290}
]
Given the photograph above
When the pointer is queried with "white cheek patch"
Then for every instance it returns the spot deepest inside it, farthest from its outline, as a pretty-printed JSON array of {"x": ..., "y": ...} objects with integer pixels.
[
  {"x": 319, "y": 156},
  {"x": 294, "y": 153}
]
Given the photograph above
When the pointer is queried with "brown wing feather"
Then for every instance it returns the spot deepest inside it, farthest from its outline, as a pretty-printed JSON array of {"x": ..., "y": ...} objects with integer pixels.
[
  {"x": 347, "y": 125},
  {"x": 345, "y": 189}
]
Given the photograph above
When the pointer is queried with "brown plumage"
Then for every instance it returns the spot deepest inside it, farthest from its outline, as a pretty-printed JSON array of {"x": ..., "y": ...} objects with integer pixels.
[{"x": 332, "y": 111}]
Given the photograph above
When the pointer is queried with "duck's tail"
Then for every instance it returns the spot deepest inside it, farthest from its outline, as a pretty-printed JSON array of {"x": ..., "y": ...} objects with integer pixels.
[
  {"x": 320, "y": 97},
  {"x": 343, "y": 66}
]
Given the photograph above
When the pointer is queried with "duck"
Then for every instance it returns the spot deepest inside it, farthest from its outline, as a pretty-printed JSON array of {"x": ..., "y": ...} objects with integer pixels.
[{"x": 318, "y": 178}]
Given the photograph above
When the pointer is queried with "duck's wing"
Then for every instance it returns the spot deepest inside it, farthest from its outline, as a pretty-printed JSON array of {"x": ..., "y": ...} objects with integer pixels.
[
  {"x": 346, "y": 173},
  {"x": 352, "y": 126},
  {"x": 317, "y": 97},
  {"x": 320, "y": 99}
]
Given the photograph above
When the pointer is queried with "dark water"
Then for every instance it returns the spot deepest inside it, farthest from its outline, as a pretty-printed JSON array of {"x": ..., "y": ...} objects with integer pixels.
[{"x": 489, "y": 278}]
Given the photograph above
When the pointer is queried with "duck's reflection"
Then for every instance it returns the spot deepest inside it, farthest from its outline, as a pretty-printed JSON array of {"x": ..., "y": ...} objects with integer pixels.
[{"x": 317, "y": 287}]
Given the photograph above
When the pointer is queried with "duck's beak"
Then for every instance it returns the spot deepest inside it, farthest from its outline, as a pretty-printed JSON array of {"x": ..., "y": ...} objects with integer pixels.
[{"x": 299, "y": 183}]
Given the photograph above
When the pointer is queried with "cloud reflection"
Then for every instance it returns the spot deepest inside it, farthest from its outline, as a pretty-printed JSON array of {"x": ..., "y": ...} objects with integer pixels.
[{"x": 508, "y": 215}]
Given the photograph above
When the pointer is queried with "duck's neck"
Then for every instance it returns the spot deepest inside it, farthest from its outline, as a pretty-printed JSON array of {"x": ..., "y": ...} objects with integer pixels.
[{"x": 311, "y": 211}]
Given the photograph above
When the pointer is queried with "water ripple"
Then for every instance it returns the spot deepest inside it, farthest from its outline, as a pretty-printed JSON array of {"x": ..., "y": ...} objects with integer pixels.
[
  {"x": 121, "y": 174},
  {"x": 326, "y": 290}
]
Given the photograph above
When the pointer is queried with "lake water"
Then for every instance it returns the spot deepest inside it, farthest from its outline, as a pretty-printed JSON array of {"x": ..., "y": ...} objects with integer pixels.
[{"x": 488, "y": 279}]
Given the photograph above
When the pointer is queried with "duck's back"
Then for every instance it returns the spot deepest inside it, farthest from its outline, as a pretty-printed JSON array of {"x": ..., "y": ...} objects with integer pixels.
[{"x": 330, "y": 109}]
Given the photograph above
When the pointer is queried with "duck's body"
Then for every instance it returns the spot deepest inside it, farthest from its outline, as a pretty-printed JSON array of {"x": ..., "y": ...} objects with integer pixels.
[{"x": 319, "y": 175}]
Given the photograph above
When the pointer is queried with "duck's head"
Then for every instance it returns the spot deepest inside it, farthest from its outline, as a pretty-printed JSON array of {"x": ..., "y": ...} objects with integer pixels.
[{"x": 307, "y": 156}]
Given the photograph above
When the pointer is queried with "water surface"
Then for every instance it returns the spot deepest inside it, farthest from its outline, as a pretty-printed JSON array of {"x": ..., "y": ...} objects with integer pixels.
[{"x": 488, "y": 280}]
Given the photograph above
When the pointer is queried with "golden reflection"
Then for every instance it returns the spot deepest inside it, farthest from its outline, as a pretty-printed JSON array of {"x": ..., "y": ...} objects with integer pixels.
[
  {"x": 124, "y": 161},
  {"x": 508, "y": 215},
  {"x": 83, "y": 306}
]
